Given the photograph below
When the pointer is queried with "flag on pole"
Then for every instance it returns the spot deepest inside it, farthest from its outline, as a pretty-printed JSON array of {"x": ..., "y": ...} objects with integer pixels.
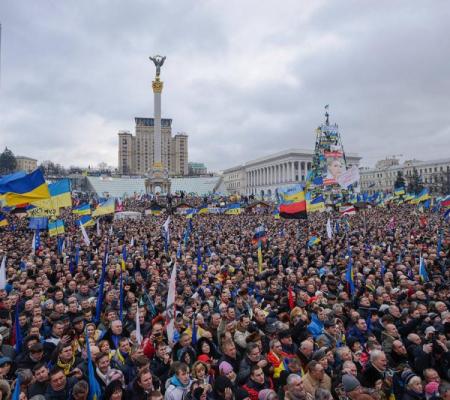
[
  {"x": 18, "y": 331},
  {"x": 94, "y": 387},
  {"x": 138, "y": 326},
  {"x": 439, "y": 246},
  {"x": 101, "y": 287},
  {"x": 16, "y": 393},
  {"x": 85, "y": 235},
  {"x": 260, "y": 258},
  {"x": 423, "y": 270},
  {"x": 329, "y": 229},
  {"x": 121, "y": 296},
  {"x": 170, "y": 310},
  {"x": 349, "y": 277},
  {"x": 3, "y": 274}
]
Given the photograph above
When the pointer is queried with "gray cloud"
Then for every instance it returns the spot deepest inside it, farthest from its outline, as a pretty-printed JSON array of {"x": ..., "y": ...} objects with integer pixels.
[{"x": 243, "y": 79}]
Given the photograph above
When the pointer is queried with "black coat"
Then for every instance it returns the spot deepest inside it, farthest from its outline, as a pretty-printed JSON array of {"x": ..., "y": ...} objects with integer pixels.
[{"x": 370, "y": 375}]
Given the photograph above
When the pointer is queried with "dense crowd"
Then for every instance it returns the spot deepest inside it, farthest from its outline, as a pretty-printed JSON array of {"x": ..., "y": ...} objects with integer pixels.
[{"x": 291, "y": 328}]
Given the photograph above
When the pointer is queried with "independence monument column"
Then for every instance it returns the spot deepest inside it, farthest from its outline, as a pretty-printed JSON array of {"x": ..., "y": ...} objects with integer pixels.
[{"x": 158, "y": 176}]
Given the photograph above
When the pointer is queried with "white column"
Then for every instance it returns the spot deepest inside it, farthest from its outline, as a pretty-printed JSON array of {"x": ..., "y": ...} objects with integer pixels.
[{"x": 157, "y": 119}]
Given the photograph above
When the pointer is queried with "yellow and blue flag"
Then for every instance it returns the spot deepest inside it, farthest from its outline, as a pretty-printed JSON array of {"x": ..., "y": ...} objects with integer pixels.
[
  {"x": 314, "y": 240},
  {"x": 203, "y": 210},
  {"x": 107, "y": 207},
  {"x": 423, "y": 196},
  {"x": 86, "y": 220},
  {"x": 399, "y": 191},
  {"x": 233, "y": 209},
  {"x": 349, "y": 277},
  {"x": 3, "y": 220},
  {"x": 423, "y": 270},
  {"x": 26, "y": 189},
  {"x": 82, "y": 209},
  {"x": 56, "y": 227},
  {"x": 190, "y": 212},
  {"x": 60, "y": 196}
]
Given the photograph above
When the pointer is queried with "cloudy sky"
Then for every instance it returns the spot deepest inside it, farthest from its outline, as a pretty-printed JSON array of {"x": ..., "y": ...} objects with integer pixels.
[{"x": 243, "y": 78}]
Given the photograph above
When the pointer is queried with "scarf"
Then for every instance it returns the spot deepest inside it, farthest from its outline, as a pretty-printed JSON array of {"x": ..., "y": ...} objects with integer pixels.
[{"x": 66, "y": 366}]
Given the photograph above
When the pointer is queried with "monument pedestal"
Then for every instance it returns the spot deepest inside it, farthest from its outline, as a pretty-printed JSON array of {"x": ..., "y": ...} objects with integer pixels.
[{"x": 157, "y": 180}]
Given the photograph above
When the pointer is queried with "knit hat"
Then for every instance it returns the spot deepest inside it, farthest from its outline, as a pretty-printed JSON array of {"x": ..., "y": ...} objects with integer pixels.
[
  {"x": 350, "y": 383},
  {"x": 225, "y": 368},
  {"x": 407, "y": 376},
  {"x": 264, "y": 394}
]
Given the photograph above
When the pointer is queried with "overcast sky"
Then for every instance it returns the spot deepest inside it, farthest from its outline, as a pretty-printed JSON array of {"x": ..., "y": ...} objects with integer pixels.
[{"x": 243, "y": 78}]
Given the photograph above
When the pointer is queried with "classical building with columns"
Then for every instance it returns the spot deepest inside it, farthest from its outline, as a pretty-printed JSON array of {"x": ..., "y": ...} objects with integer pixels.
[{"x": 261, "y": 177}]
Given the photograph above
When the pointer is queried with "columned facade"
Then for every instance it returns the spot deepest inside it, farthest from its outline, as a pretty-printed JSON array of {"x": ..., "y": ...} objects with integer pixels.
[{"x": 264, "y": 176}]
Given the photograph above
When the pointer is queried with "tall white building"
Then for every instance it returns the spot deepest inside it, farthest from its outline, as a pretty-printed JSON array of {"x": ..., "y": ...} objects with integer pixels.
[
  {"x": 264, "y": 175},
  {"x": 382, "y": 178}
]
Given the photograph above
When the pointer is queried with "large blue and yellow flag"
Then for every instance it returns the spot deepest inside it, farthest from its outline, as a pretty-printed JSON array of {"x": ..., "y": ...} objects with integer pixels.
[
  {"x": 107, "y": 207},
  {"x": 60, "y": 196},
  {"x": 86, "y": 220},
  {"x": 82, "y": 209},
  {"x": 26, "y": 189},
  {"x": 203, "y": 210},
  {"x": 233, "y": 209}
]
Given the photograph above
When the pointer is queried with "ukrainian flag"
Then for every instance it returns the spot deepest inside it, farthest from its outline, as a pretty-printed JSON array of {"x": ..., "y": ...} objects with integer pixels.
[
  {"x": 399, "y": 191},
  {"x": 314, "y": 240},
  {"x": 29, "y": 188},
  {"x": 3, "y": 220},
  {"x": 52, "y": 229},
  {"x": 60, "y": 192},
  {"x": 60, "y": 196},
  {"x": 203, "y": 210},
  {"x": 190, "y": 212},
  {"x": 233, "y": 209},
  {"x": 316, "y": 204},
  {"x": 156, "y": 211},
  {"x": 423, "y": 195},
  {"x": 83, "y": 209},
  {"x": 349, "y": 277},
  {"x": 276, "y": 213},
  {"x": 107, "y": 207},
  {"x": 86, "y": 220}
]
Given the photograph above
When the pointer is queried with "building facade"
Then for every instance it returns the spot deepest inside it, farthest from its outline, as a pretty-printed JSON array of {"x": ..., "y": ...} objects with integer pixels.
[
  {"x": 26, "y": 164},
  {"x": 263, "y": 176},
  {"x": 136, "y": 151},
  {"x": 433, "y": 175}
]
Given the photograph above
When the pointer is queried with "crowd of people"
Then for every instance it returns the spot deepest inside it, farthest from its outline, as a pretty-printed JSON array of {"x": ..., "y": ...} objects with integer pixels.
[{"x": 290, "y": 327}]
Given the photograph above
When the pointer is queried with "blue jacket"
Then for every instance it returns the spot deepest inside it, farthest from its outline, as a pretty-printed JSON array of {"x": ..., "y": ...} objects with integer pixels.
[{"x": 316, "y": 326}]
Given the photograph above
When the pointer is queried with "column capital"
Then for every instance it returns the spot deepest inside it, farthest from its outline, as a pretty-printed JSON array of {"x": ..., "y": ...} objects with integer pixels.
[{"x": 157, "y": 86}]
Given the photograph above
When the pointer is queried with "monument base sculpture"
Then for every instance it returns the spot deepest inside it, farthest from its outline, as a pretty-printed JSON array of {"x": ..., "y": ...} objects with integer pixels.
[{"x": 157, "y": 180}]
